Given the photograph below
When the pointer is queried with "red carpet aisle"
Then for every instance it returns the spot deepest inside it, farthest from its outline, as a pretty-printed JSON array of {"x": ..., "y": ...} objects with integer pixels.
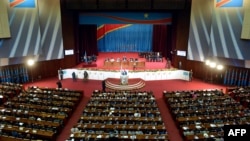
[{"x": 156, "y": 86}]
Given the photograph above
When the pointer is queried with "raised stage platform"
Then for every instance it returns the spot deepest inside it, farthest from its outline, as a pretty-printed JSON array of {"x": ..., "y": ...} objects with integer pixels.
[{"x": 145, "y": 70}]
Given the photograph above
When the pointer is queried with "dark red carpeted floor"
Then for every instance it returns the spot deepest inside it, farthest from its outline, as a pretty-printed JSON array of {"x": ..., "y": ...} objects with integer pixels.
[{"x": 156, "y": 86}]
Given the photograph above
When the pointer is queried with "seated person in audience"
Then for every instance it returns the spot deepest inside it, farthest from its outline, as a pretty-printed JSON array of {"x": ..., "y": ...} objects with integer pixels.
[
  {"x": 112, "y": 59},
  {"x": 124, "y": 58},
  {"x": 93, "y": 58},
  {"x": 137, "y": 114},
  {"x": 106, "y": 59},
  {"x": 74, "y": 130},
  {"x": 118, "y": 60}
]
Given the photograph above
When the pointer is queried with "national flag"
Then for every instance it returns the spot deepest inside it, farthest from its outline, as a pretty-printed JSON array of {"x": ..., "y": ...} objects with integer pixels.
[
  {"x": 22, "y": 3},
  {"x": 228, "y": 3}
]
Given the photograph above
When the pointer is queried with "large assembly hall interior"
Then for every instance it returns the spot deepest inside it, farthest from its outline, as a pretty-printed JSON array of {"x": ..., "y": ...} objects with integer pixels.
[{"x": 124, "y": 70}]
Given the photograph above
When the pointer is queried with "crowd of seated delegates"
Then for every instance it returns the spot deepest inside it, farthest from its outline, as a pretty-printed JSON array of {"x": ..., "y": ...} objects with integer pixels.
[
  {"x": 89, "y": 59},
  {"x": 9, "y": 90},
  {"x": 241, "y": 94},
  {"x": 151, "y": 56},
  {"x": 201, "y": 114},
  {"x": 123, "y": 59},
  {"x": 38, "y": 113},
  {"x": 124, "y": 115}
]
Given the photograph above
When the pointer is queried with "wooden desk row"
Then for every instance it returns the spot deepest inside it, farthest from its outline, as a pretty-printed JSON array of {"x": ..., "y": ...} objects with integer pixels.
[
  {"x": 36, "y": 133},
  {"x": 26, "y": 113},
  {"x": 124, "y": 64},
  {"x": 142, "y": 119},
  {"x": 121, "y": 127},
  {"x": 41, "y": 108},
  {"x": 121, "y": 111},
  {"x": 124, "y": 137}
]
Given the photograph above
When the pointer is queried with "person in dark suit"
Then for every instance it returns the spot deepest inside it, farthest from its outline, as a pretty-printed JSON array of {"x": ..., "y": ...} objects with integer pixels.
[
  {"x": 190, "y": 75},
  {"x": 74, "y": 76},
  {"x": 85, "y": 75},
  {"x": 59, "y": 84},
  {"x": 104, "y": 85},
  {"x": 61, "y": 74}
]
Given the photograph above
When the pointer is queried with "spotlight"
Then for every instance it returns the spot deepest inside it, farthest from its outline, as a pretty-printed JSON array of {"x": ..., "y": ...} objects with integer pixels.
[
  {"x": 207, "y": 62},
  {"x": 212, "y": 64},
  {"x": 30, "y": 62},
  {"x": 219, "y": 67}
]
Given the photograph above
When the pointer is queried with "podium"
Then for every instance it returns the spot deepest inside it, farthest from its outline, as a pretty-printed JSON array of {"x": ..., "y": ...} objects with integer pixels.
[{"x": 124, "y": 79}]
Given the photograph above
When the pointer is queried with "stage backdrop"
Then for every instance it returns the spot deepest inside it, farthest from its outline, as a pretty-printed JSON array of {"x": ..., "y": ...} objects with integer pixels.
[
  {"x": 35, "y": 27},
  {"x": 215, "y": 31},
  {"x": 125, "y": 31},
  {"x": 125, "y": 38}
]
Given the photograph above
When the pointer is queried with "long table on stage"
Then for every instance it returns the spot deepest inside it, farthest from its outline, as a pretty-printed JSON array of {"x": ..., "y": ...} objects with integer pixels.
[
  {"x": 124, "y": 64},
  {"x": 95, "y": 74}
]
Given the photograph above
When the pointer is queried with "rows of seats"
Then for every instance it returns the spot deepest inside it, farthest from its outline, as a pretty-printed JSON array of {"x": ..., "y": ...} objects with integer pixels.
[
  {"x": 202, "y": 114},
  {"x": 121, "y": 115},
  {"x": 241, "y": 94},
  {"x": 9, "y": 90},
  {"x": 37, "y": 113}
]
